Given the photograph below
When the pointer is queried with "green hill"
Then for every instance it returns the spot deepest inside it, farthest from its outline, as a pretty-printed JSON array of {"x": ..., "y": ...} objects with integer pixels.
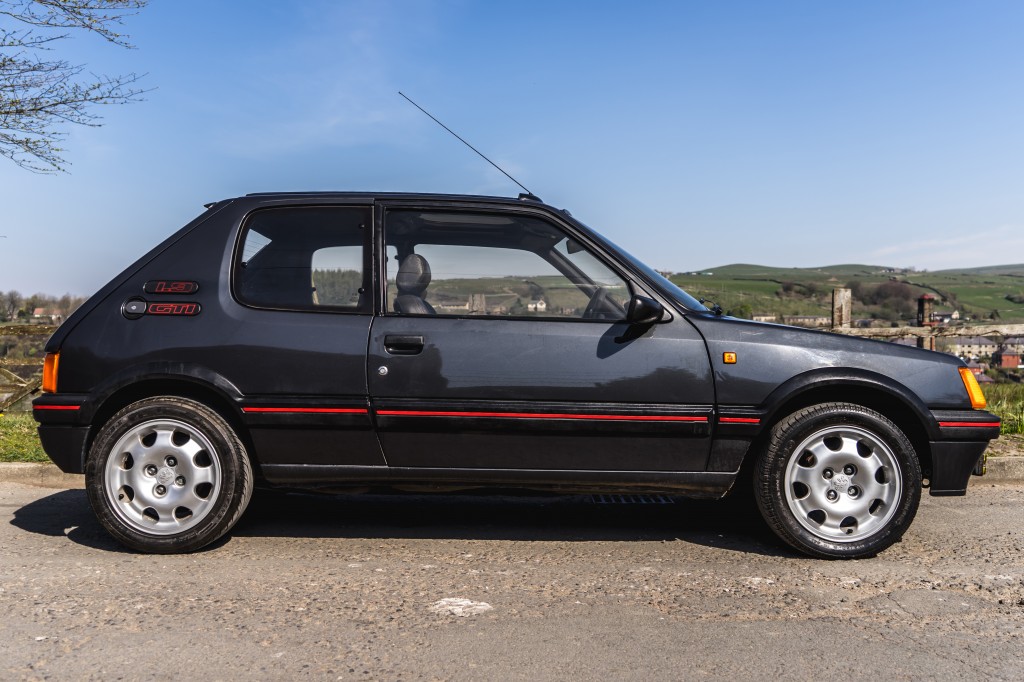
[
  {"x": 1011, "y": 270},
  {"x": 880, "y": 292}
]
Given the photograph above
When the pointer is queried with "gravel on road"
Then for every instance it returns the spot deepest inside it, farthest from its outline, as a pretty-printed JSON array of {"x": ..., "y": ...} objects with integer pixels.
[{"x": 474, "y": 587}]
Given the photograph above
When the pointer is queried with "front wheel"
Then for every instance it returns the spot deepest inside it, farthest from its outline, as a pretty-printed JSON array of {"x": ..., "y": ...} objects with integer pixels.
[
  {"x": 167, "y": 475},
  {"x": 838, "y": 480}
]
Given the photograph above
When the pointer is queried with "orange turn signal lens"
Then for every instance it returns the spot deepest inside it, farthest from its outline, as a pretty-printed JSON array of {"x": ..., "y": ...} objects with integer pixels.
[
  {"x": 978, "y": 401},
  {"x": 50, "y": 372},
  {"x": 729, "y": 358}
]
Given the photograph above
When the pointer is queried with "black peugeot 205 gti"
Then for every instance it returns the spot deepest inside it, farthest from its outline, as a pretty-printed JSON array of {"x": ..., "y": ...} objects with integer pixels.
[{"x": 325, "y": 340}]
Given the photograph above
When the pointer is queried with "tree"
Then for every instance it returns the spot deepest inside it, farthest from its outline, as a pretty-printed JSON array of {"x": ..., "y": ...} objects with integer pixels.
[
  {"x": 856, "y": 288},
  {"x": 892, "y": 291},
  {"x": 11, "y": 304},
  {"x": 34, "y": 301},
  {"x": 743, "y": 310},
  {"x": 38, "y": 96},
  {"x": 68, "y": 304}
]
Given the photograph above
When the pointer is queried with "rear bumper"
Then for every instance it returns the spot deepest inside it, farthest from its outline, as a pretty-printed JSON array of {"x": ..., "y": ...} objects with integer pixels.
[
  {"x": 61, "y": 430},
  {"x": 65, "y": 445},
  {"x": 957, "y": 453}
]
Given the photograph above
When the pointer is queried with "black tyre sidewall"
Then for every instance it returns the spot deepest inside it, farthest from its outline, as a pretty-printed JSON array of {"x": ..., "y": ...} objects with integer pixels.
[
  {"x": 770, "y": 486},
  {"x": 236, "y": 474}
]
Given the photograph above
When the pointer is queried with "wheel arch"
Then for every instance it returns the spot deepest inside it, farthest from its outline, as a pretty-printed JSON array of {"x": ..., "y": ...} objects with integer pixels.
[
  {"x": 201, "y": 386},
  {"x": 868, "y": 389}
]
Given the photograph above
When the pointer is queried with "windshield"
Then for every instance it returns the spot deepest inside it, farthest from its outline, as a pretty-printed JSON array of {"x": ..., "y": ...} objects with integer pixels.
[{"x": 660, "y": 280}]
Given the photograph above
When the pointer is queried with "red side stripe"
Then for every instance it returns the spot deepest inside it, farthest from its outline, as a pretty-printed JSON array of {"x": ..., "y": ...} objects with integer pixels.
[
  {"x": 977, "y": 425},
  {"x": 739, "y": 420},
  {"x": 543, "y": 415},
  {"x": 56, "y": 407},
  {"x": 308, "y": 410}
]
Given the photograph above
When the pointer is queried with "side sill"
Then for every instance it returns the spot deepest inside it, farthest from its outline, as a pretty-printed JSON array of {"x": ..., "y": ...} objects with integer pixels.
[{"x": 702, "y": 484}]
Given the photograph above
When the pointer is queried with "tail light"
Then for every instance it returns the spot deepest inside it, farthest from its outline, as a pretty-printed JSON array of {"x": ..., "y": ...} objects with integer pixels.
[{"x": 50, "y": 372}]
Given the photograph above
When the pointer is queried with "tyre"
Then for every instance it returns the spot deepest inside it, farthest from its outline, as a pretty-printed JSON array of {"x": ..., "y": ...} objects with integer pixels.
[
  {"x": 167, "y": 475},
  {"x": 838, "y": 481}
]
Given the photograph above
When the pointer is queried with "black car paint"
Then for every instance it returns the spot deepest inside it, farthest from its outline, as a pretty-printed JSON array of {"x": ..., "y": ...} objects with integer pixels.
[{"x": 568, "y": 405}]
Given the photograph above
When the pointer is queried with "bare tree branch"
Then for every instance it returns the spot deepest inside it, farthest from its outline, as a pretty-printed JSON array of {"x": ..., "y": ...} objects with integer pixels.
[
  {"x": 97, "y": 16},
  {"x": 38, "y": 96}
]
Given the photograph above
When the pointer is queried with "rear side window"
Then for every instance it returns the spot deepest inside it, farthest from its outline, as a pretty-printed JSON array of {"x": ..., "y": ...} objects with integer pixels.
[{"x": 304, "y": 258}]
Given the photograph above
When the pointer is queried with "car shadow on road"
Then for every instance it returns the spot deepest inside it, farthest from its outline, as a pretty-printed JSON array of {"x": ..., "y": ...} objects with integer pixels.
[
  {"x": 66, "y": 514},
  {"x": 726, "y": 524},
  {"x": 732, "y": 525}
]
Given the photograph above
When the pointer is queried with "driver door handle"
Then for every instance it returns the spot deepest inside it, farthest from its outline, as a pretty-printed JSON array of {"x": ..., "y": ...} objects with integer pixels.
[{"x": 403, "y": 345}]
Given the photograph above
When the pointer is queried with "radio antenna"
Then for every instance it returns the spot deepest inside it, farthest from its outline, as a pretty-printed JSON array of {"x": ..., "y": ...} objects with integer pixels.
[{"x": 529, "y": 194}]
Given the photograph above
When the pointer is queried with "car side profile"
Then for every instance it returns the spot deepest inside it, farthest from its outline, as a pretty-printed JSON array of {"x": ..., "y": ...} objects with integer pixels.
[{"x": 325, "y": 340}]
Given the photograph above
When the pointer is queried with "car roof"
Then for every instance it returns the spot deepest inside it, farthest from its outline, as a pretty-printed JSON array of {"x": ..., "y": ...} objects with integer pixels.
[{"x": 522, "y": 198}]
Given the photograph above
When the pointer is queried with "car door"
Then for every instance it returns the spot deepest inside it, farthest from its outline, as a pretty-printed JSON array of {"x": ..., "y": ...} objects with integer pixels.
[
  {"x": 503, "y": 345},
  {"x": 299, "y": 322}
]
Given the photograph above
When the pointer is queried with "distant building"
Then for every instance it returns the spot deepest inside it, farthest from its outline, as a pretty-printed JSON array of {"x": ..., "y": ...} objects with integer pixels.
[
  {"x": 977, "y": 368},
  {"x": 47, "y": 316},
  {"x": 765, "y": 317},
  {"x": 1014, "y": 343},
  {"x": 812, "y": 321},
  {"x": 1006, "y": 359},
  {"x": 925, "y": 305},
  {"x": 538, "y": 306},
  {"x": 970, "y": 346}
]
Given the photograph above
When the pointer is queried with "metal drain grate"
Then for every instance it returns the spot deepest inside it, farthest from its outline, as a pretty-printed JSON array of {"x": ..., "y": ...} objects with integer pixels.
[{"x": 631, "y": 499}]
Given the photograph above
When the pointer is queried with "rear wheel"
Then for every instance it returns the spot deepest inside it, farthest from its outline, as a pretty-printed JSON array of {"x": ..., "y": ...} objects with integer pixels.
[
  {"x": 168, "y": 475},
  {"x": 838, "y": 480}
]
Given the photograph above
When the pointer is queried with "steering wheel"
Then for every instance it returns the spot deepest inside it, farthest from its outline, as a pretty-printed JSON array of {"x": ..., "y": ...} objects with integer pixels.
[{"x": 596, "y": 308}]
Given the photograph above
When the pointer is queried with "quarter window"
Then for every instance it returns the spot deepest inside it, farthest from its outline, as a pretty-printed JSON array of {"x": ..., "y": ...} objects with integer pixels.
[{"x": 304, "y": 258}]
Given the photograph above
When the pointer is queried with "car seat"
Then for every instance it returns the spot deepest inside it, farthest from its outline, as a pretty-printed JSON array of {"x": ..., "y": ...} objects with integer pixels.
[{"x": 412, "y": 280}]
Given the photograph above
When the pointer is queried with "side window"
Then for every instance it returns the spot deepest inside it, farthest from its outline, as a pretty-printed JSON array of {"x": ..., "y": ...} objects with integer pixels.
[
  {"x": 304, "y": 258},
  {"x": 337, "y": 275},
  {"x": 495, "y": 265}
]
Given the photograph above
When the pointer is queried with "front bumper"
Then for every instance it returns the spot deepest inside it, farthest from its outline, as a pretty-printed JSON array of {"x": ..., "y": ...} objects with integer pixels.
[{"x": 958, "y": 451}]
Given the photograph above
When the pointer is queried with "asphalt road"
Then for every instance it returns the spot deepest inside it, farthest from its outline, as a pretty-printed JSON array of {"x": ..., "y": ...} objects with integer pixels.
[{"x": 552, "y": 588}]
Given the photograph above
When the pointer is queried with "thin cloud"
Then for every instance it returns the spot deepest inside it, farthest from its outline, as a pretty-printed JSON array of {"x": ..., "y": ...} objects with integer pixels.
[{"x": 972, "y": 248}]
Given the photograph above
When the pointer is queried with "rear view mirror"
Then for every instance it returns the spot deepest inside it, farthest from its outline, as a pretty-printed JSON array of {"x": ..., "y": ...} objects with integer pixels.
[{"x": 644, "y": 310}]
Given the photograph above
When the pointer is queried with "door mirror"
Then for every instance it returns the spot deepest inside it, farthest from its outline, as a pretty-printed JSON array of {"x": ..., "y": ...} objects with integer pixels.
[{"x": 644, "y": 310}]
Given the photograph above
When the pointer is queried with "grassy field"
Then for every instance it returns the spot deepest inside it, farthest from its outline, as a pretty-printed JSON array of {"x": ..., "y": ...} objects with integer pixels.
[
  {"x": 1007, "y": 400},
  {"x": 18, "y": 439}
]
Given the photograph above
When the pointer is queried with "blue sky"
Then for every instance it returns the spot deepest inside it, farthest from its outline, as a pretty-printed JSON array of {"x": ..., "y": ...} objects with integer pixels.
[{"x": 694, "y": 134}]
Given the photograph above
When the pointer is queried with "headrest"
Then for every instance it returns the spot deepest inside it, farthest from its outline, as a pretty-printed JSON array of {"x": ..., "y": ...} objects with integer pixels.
[{"x": 413, "y": 275}]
